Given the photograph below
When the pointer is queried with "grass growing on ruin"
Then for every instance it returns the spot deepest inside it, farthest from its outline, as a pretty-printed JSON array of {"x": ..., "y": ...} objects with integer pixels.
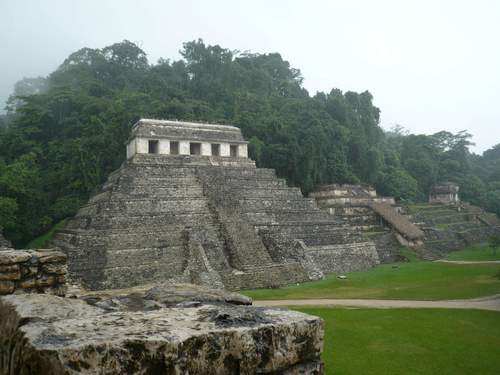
[
  {"x": 413, "y": 280},
  {"x": 41, "y": 241},
  {"x": 442, "y": 226},
  {"x": 475, "y": 253},
  {"x": 410, "y": 341}
]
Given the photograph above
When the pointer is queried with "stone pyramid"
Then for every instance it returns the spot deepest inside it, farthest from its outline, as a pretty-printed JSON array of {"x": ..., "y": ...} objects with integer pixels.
[{"x": 188, "y": 205}]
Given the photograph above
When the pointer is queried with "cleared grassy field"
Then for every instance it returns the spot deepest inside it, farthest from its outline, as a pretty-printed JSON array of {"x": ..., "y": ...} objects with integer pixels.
[
  {"x": 475, "y": 253},
  {"x": 413, "y": 280},
  {"x": 410, "y": 341}
]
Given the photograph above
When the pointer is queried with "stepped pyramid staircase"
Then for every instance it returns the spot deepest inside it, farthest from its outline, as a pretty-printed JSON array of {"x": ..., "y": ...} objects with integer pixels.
[
  {"x": 376, "y": 217},
  {"x": 214, "y": 221}
]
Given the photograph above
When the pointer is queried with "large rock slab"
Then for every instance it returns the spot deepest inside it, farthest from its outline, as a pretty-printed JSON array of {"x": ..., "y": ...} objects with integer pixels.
[{"x": 45, "y": 334}]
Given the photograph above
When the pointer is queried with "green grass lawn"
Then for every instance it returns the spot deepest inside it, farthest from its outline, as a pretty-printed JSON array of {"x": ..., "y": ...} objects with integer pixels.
[
  {"x": 41, "y": 242},
  {"x": 475, "y": 253},
  {"x": 410, "y": 341},
  {"x": 413, "y": 280}
]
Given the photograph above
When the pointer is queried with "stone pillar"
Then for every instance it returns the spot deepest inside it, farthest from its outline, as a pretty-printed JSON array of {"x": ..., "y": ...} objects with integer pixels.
[
  {"x": 206, "y": 149},
  {"x": 224, "y": 149},
  {"x": 164, "y": 147},
  {"x": 243, "y": 151},
  {"x": 184, "y": 148},
  {"x": 141, "y": 146},
  {"x": 131, "y": 149}
]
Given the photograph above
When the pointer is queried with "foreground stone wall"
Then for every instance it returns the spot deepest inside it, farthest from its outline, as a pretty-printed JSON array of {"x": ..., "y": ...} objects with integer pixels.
[
  {"x": 32, "y": 271},
  {"x": 158, "y": 332}
]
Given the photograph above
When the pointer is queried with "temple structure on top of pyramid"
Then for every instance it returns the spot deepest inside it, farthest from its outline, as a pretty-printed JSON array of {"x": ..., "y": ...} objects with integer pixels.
[{"x": 188, "y": 205}]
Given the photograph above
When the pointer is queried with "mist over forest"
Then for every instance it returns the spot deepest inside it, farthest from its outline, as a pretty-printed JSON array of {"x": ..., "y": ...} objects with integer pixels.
[{"x": 63, "y": 134}]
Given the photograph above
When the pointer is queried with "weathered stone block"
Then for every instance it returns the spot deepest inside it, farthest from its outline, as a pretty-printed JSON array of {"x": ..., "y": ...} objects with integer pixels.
[
  {"x": 133, "y": 336},
  {"x": 12, "y": 256},
  {"x": 12, "y": 275},
  {"x": 6, "y": 286},
  {"x": 55, "y": 268},
  {"x": 50, "y": 256},
  {"x": 9, "y": 268},
  {"x": 28, "y": 283},
  {"x": 45, "y": 280}
]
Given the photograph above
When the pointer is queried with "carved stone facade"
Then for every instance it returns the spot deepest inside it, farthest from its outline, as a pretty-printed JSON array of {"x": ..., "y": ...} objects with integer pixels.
[{"x": 213, "y": 220}]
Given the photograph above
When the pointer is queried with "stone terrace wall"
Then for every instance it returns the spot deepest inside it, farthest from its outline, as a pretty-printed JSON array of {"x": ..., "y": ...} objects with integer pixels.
[{"x": 32, "y": 271}]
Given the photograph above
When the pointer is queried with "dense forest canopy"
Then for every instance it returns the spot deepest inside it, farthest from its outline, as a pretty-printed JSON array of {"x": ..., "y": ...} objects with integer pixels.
[{"x": 63, "y": 134}]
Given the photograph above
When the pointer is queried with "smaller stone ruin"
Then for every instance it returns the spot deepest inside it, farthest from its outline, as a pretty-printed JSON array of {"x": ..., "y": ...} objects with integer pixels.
[
  {"x": 452, "y": 226},
  {"x": 446, "y": 192},
  {"x": 378, "y": 218}
]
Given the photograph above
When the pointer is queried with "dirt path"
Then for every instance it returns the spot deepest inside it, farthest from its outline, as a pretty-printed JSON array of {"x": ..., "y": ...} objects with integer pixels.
[
  {"x": 468, "y": 261},
  {"x": 485, "y": 303}
]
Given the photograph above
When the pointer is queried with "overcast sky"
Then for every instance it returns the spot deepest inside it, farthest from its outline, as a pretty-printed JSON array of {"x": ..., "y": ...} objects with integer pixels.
[{"x": 431, "y": 64}]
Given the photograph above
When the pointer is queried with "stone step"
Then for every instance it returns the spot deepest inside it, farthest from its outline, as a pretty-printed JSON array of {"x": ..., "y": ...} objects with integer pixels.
[
  {"x": 141, "y": 256},
  {"x": 132, "y": 275},
  {"x": 166, "y": 194},
  {"x": 333, "y": 239},
  {"x": 262, "y": 193},
  {"x": 345, "y": 257},
  {"x": 225, "y": 172},
  {"x": 248, "y": 182},
  {"x": 267, "y": 276},
  {"x": 145, "y": 206},
  {"x": 160, "y": 181},
  {"x": 285, "y": 216},
  {"x": 128, "y": 222},
  {"x": 307, "y": 228},
  {"x": 258, "y": 204}
]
